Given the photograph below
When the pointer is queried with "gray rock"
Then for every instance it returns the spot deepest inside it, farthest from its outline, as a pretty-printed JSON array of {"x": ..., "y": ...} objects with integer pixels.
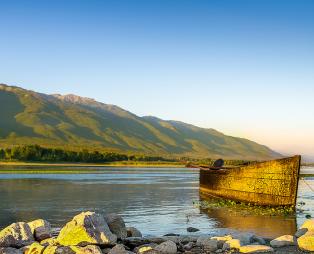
[
  {"x": 133, "y": 232},
  {"x": 282, "y": 241},
  {"x": 167, "y": 247},
  {"x": 259, "y": 240},
  {"x": 207, "y": 243},
  {"x": 10, "y": 250},
  {"x": 85, "y": 229},
  {"x": 41, "y": 229},
  {"x": 16, "y": 235},
  {"x": 116, "y": 225},
  {"x": 118, "y": 249},
  {"x": 189, "y": 246},
  {"x": 300, "y": 232}
]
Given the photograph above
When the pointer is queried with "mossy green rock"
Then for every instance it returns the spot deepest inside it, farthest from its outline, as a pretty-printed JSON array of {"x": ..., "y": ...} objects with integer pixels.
[
  {"x": 16, "y": 235},
  {"x": 85, "y": 229}
]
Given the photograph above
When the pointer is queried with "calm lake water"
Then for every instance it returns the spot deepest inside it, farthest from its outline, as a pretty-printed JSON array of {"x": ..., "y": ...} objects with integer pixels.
[{"x": 155, "y": 200}]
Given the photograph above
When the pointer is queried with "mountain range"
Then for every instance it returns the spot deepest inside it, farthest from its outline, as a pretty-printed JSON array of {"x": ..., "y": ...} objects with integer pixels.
[{"x": 74, "y": 122}]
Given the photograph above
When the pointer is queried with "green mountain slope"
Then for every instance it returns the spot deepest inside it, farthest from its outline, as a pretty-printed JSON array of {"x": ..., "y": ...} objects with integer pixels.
[{"x": 70, "y": 121}]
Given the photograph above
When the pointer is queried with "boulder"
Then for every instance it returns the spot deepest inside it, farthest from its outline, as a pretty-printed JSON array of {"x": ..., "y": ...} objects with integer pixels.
[
  {"x": 133, "y": 232},
  {"x": 207, "y": 243},
  {"x": 282, "y": 241},
  {"x": 232, "y": 244},
  {"x": 306, "y": 241},
  {"x": 116, "y": 225},
  {"x": 10, "y": 250},
  {"x": 16, "y": 235},
  {"x": 89, "y": 249},
  {"x": 256, "y": 249},
  {"x": 85, "y": 229},
  {"x": 41, "y": 229},
  {"x": 167, "y": 247},
  {"x": 189, "y": 246}
]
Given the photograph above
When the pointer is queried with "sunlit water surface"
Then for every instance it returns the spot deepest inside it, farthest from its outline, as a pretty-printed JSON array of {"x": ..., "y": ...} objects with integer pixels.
[{"x": 155, "y": 200}]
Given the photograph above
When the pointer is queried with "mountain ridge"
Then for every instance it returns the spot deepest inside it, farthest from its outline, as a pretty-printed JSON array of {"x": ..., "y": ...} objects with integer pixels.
[{"x": 75, "y": 121}]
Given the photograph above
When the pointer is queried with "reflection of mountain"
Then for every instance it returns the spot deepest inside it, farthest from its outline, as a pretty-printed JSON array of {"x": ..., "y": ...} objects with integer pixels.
[{"x": 265, "y": 226}]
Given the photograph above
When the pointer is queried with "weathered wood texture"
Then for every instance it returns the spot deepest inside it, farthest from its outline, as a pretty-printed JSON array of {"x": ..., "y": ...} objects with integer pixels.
[{"x": 271, "y": 183}]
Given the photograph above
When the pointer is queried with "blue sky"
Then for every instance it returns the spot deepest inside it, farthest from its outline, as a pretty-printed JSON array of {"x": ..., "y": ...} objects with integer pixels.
[{"x": 245, "y": 68}]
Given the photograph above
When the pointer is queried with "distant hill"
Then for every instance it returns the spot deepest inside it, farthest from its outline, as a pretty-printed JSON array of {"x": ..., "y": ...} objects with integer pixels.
[{"x": 72, "y": 121}]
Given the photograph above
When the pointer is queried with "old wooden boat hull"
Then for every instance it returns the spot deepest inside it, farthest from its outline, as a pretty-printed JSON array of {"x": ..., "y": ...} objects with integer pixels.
[{"x": 273, "y": 183}]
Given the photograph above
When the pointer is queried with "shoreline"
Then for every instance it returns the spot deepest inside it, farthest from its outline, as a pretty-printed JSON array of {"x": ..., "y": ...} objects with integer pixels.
[
  {"x": 90, "y": 232},
  {"x": 98, "y": 165}
]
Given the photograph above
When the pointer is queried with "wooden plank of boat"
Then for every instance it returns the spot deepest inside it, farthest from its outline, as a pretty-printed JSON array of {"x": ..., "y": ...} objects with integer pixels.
[{"x": 273, "y": 183}]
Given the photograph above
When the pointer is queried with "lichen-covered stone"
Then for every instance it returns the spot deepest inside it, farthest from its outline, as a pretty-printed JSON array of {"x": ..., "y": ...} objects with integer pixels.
[
  {"x": 10, "y": 250},
  {"x": 309, "y": 224},
  {"x": 16, "y": 235},
  {"x": 49, "y": 241},
  {"x": 133, "y": 232},
  {"x": 255, "y": 249},
  {"x": 285, "y": 240},
  {"x": 34, "y": 248},
  {"x": 143, "y": 248},
  {"x": 116, "y": 225},
  {"x": 41, "y": 229},
  {"x": 85, "y": 229},
  {"x": 306, "y": 241}
]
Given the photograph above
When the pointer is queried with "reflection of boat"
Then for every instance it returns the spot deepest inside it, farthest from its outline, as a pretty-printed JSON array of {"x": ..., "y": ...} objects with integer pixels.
[
  {"x": 247, "y": 221},
  {"x": 271, "y": 183}
]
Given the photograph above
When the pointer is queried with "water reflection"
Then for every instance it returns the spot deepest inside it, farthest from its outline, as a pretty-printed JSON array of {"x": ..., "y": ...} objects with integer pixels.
[
  {"x": 157, "y": 201},
  {"x": 247, "y": 221}
]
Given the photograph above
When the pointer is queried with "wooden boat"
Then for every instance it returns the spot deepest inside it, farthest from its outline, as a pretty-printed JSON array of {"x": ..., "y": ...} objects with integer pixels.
[{"x": 273, "y": 183}]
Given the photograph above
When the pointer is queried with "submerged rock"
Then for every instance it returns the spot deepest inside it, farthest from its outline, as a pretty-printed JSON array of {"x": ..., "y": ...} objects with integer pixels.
[
  {"x": 16, "y": 235},
  {"x": 133, "y": 232},
  {"x": 116, "y": 225},
  {"x": 41, "y": 229},
  {"x": 85, "y": 229},
  {"x": 167, "y": 247},
  {"x": 192, "y": 230},
  {"x": 285, "y": 240}
]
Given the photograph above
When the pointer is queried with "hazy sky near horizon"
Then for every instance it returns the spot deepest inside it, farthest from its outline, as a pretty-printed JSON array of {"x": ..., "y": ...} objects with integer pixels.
[{"x": 245, "y": 68}]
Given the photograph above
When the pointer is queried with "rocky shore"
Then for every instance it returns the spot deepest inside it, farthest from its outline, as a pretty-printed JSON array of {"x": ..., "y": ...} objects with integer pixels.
[{"x": 92, "y": 233}]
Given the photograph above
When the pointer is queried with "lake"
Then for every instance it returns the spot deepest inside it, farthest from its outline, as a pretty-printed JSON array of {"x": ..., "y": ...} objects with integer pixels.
[{"x": 155, "y": 200}]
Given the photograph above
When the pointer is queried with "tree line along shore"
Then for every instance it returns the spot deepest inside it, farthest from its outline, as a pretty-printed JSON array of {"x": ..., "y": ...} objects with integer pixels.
[{"x": 38, "y": 155}]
